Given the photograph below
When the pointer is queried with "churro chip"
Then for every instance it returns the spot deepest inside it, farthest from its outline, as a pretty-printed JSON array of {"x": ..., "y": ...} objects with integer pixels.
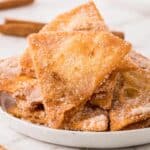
[
  {"x": 70, "y": 66},
  {"x": 133, "y": 104},
  {"x": 130, "y": 112},
  {"x": 13, "y": 82},
  {"x": 127, "y": 64},
  {"x": 139, "y": 125},
  {"x": 83, "y": 18},
  {"x": 140, "y": 60},
  {"x": 23, "y": 88},
  {"x": 35, "y": 114},
  {"x": 26, "y": 94},
  {"x": 89, "y": 118},
  {"x": 9, "y": 68},
  {"x": 103, "y": 95},
  {"x": 134, "y": 83}
]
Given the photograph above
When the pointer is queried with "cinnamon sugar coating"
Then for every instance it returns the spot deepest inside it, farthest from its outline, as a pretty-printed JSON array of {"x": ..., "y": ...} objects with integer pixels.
[
  {"x": 83, "y": 18},
  {"x": 70, "y": 66},
  {"x": 133, "y": 104}
]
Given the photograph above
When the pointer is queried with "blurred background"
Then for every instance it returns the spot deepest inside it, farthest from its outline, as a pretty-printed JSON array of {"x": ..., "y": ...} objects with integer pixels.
[{"x": 130, "y": 16}]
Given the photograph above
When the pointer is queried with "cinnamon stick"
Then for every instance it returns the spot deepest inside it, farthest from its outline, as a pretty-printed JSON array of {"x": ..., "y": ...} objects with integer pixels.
[
  {"x": 6, "y": 4},
  {"x": 18, "y": 21},
  {"x": 23, "y": 28},
  {"x": 119, "y": 34}
]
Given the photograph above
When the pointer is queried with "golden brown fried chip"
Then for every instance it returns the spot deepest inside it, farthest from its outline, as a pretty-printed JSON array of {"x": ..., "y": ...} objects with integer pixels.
[
  {"x": 139, "y": 125},
  {"x": 134, "y": 83},
  {"x": 129, "y": 112},
  {"x": 83, "y": 18},
  {"x": 103, "y": 95},
  {"x": 133, "y": 104},
  {"x": 36, "y": 115},
  {"x": 70, "y": 66},
  {"x": 140, "y": 60},
  {"x": 89, "y": 118},
  {"x": 26, "y": 93},
  {"x": 127, "y": 64},
  {"x": 23, "y": 88}
]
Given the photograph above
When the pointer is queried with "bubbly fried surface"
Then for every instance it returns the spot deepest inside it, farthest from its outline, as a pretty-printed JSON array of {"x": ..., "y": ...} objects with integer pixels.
[
  {"x": 133, "y": 104},
  {"x": 103, "y": 95},
  {"x": 129, "y": 112},
  {"x": 89, "y": 118},
  {"x": 70, "y": 66},
  {"x": 83, "y": 18}
]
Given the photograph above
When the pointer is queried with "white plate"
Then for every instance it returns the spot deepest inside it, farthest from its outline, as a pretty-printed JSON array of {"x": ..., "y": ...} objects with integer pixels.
[{"x": 79, "y": 139}]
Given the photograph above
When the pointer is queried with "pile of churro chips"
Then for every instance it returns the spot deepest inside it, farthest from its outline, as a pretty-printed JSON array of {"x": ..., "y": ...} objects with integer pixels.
[{"x": 77, "y": 75}]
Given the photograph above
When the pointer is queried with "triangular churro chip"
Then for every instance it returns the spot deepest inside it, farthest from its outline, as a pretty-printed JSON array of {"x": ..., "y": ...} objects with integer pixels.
[
  {"x": 69, "y": 67},
  {"x": 83, "y": 18},
  {"x": 133, "y": 104},
  {"x": 24, "y": 90}
]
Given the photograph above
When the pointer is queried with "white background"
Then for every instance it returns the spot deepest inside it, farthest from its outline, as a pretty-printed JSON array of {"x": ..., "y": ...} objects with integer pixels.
[{"x": 130, "y": 16}]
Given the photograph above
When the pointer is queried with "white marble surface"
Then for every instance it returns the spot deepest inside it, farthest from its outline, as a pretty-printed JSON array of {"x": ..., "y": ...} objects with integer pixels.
[{"x": 132, "y": 17}]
